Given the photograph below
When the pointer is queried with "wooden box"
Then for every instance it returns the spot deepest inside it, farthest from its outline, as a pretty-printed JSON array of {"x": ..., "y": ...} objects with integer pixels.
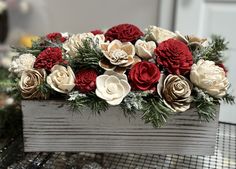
[{"x": 52, "y": 126}]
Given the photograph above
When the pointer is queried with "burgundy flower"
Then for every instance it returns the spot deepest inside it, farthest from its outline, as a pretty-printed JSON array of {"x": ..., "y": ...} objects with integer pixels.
[
  {"x": 144, "y": 76},
  {"x": 97, "y": 32},
  {"x": 56, "y": 37},
  {"x": 174, "y": 56},
  {"x": 48, "y": 58},
  {"x": 223, "y": 67},
  {"x": 124, "y": 33},
  {"x": 86, "y": 80}
]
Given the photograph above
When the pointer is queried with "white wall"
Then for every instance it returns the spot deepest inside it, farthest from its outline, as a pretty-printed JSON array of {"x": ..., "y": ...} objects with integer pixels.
[{"x": 84, "y": 15}]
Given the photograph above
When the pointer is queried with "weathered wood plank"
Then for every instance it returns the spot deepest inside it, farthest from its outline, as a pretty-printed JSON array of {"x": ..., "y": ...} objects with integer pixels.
[{"x": 52, "y": 126}]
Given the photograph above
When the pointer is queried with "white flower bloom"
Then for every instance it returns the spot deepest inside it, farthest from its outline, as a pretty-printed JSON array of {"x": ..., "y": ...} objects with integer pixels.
[
  {"x": 24, "y": 62},
  {"x": 145, "y": 49},
  {"x": 61, "y": 79},
  {"x": 3, "y": 6},
  {"x": 159, "y": 34},
  {"x": 209, "y": 77},
  {"x": 112, "y": 87},
  {"x": 76, "y": 41}
]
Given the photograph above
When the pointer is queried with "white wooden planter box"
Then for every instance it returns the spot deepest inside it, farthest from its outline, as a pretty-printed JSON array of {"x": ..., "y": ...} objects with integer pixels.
[{"x": 52, "y": 126}]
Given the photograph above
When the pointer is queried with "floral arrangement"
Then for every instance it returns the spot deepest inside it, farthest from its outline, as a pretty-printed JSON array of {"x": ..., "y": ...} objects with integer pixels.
[{"x": 157, "y": 71}]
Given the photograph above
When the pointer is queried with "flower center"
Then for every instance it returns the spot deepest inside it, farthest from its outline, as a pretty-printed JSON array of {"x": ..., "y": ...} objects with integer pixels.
[
  {"x": 118, "y": 54},
  {"x": 144, "y": 45},
  {"x": 111, "y": 88}
]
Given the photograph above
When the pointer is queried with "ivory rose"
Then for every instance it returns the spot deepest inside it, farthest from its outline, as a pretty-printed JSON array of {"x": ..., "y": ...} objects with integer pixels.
[
  {"x": 24, "y": 62},
  {"x": 29, "y": 82},
  {"x": 118, "y": 55},
  {"x": 61, "y": 79},
  {"x": 112, "y": 87},
  {"x": 158, "y": 34},
  {"x": 145, "y": 49},
  {"x": 176, "y": 92},
  {"x": 76, "y": 41},
  {"x": 209, "y": 77}
]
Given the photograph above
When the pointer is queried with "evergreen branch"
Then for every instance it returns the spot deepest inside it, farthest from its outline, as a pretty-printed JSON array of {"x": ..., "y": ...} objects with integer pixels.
[
  {"x": 128, "y": 112},
  {"x": 206, "y": 110},
  {"x": 156, "y": 112},
  {"x": 88, "y": 55},
  {"x": 80, "y": 101},
  {"x": 229, "y": 99},
  {"x": 133, "y": 102},
  {"x": 22, "y": 50},
  {"x": 205, "y": 104},
  {"x": 45, "y": 89},
  {"x": 213, "y": 52}
]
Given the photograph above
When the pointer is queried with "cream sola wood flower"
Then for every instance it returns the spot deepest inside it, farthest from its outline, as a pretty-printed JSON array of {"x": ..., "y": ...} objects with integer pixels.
[
  {"x": 61, "y": 79},
  {"x": 145, "y": 49},
  {"x": 176, "y": 92},
  {"x": 112, "y": 87},
  {"x": 192, "y": 41},
  {"x": 75, "y": 42},
  {"x": 209, "y": 77},
  {"x": 118, "y": 56},
  {"x": 158, "y": 34},
  {"x": 24, "y": 62}
]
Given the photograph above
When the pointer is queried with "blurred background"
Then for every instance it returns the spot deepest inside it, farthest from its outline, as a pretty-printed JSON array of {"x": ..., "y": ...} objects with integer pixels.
[{"x": 22, "y": 20}]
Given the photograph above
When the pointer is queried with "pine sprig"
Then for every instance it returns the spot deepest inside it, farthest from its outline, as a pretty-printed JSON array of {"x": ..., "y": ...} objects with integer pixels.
[
  {"x": 214, "y": 51},
  {"x": 133, "y": 102},
  {"x": 88, "y": 55},
  {"x": 206, "y": 110},
  {"x": 21, "y": 50},
  {"x": 45, "y": 89},
  {"x": 80, "y": 101},
  {"x": 156, "y": 112},
  {"x": 205, "y": 104},
  {"x": 229, "y": 99}
]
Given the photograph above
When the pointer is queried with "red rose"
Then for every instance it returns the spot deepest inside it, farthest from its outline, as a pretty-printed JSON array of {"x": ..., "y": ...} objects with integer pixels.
[
  {"x": 174, "y": 56},
  {"x": 56, "y": 37},
  {"x": 124, "y": 33},
  {"x": 144, "y": 76},
  {"x": 48, "y": 58},
  {"x": 97, "y": 32},
  {"x": 86, "y": 80}
]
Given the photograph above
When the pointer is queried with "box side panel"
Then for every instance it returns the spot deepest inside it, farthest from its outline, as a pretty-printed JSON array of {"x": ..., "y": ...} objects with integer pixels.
[{"x": 51, "y": 126}]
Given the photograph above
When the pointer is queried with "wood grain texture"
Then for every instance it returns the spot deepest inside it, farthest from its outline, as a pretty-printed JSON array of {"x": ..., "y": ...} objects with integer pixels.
[{"x": 52, "y": 126}]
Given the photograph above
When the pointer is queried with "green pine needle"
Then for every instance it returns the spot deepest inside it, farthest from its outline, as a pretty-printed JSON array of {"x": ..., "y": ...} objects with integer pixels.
[
  {"x": 229, "y": 99},
  {"x": 156, "y": 112},
  {"x": 88, "y": 55},
  {"x": 213, "y": 52},
  {"x": 91, "y": 101}
]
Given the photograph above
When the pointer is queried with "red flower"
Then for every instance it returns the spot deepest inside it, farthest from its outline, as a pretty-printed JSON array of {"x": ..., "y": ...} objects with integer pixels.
[
  {"x": 223, "y": 67},
  {"x": 56, "y": 37},
  {"x": 48, "y": 58},
  {"x": 86, "y": 80},
  {"x": 144, "y": 76},
  {"x": 97, "y": 32},
  {"x": 174, "y": 56},
  {"x": 124, "y": 33}
]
